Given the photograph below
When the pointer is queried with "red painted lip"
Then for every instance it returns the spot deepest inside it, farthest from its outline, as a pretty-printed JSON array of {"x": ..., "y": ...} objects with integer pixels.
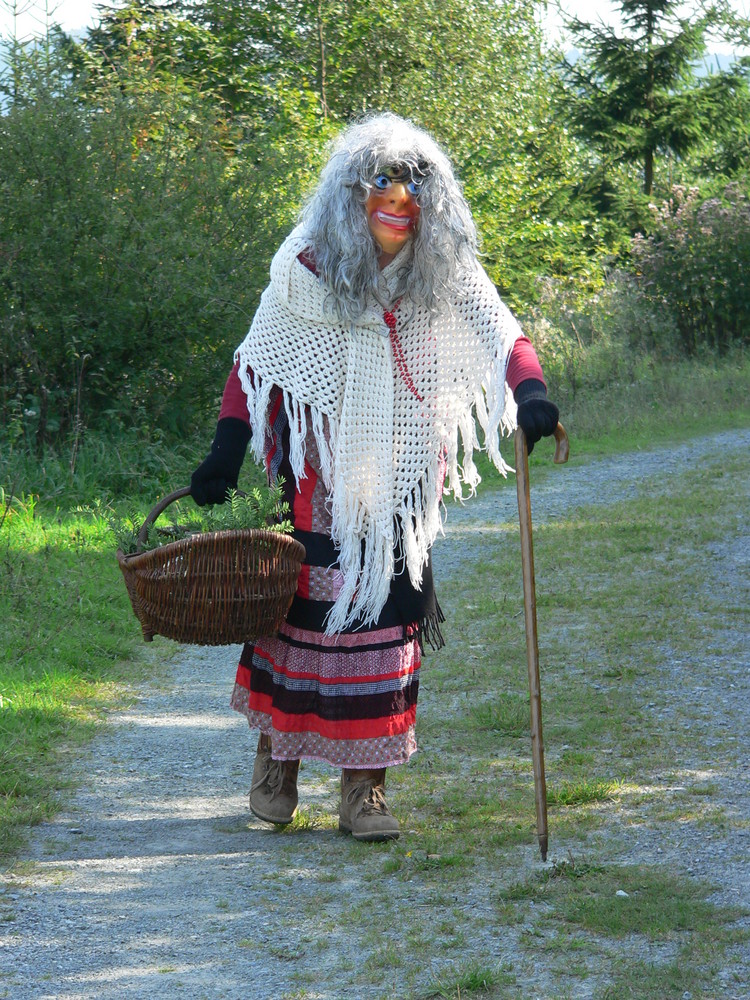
[{"x": 390, "y": 219}]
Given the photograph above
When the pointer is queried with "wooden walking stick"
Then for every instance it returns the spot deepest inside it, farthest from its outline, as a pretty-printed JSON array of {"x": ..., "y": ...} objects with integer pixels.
[{"x": 529, "y": 607}]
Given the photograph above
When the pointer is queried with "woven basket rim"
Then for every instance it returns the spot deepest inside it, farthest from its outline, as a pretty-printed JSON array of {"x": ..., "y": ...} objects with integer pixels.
[{"x": 280, "y": 538}]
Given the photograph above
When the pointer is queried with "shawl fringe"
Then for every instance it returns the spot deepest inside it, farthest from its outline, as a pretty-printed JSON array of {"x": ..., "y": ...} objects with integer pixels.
[{"x": 339, "y": 381}]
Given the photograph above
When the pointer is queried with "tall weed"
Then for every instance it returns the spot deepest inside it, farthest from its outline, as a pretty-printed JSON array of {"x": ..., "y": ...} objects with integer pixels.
[
  {"x": 694, "y": 265},
  {"x": 118, "y": 465},
  {"x": 615, "y": 365}
]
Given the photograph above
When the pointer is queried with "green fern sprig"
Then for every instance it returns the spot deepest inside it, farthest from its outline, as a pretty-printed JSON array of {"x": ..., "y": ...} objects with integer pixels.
[
  {"x": 259, "y": 509},
  {"x": 263, "y": 509}
]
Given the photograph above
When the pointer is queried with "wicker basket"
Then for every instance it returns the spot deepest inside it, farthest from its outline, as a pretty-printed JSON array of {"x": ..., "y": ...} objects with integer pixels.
[{"x": 212, "y": 588}]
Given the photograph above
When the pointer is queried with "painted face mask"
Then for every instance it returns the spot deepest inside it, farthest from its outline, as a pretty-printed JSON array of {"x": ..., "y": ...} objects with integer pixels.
[{"x": 393, "y": 209}]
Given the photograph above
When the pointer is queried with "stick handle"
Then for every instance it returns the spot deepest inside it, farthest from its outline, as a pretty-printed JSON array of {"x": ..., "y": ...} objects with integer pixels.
[
  {"x": 532, "y": 649},
  {"x": 562, "y": 445}
]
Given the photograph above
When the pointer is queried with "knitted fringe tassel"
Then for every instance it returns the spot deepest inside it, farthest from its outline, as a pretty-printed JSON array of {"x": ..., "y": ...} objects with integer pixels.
[
  {"x": 419, "y": 515},
  {"x": 498, "y": 415},
  {"x": 366, "y": 548},
  {"x": 367, "y": 565},
  {"x": 428, "y": 630}
]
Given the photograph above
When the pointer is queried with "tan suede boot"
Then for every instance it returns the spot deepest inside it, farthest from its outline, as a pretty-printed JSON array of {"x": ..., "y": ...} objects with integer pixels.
[
  {"x": 273, "y": 792},
  {"x": 364, "y": 812}
]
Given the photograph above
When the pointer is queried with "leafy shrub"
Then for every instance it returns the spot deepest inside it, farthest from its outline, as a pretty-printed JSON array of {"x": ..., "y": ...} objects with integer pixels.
[
  {"x": 262, "y": 508},
  {"x": 589, "y": 342},
  {"x": 135, "y": 237},
  {"x": 695, "y": 265}
]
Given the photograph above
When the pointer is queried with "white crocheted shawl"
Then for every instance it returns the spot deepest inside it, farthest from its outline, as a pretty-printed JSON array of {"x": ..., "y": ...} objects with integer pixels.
[{"x": 390, "y": 421}]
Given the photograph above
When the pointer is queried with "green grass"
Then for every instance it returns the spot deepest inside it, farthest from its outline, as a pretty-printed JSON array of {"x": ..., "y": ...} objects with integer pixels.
[
  {"x": 68, "y": 650},
  {"x": 572, "y": 793},
  {"x": 471, "y": 982},
  {"x": 507, "y": 715},
  {"x": 609, "y": 615},
  {"x": 624, "y": 899},
  {"x": 634, "y": 902},
  {"x": 307, "y": 818}
]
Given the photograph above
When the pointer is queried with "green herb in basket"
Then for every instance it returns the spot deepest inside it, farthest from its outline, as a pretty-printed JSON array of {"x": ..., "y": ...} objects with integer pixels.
[{"x": 264, "y": 509}]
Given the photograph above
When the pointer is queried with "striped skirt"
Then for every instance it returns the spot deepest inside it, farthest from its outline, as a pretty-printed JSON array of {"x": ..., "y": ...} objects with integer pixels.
[{"x": 348, "y": 699}]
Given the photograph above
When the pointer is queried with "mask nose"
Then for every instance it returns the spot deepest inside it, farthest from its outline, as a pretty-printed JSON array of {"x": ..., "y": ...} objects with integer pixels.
[{"x": 399, "y": 194}]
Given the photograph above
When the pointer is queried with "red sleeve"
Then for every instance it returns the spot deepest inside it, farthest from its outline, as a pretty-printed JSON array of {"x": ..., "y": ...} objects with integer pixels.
[
  {"x": 234, "y": 400},
  {"x": 307, "y": 258},
  {"x": 523, "y": 364}
]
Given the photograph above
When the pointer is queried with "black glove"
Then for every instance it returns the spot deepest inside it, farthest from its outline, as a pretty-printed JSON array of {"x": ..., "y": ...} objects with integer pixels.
[
  {"x": 536, "y": 414},
  {"x": 220, "y": 469}
]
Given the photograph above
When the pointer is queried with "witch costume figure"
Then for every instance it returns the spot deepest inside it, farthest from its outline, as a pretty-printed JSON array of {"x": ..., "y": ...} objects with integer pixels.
[{"x": 378, "y": 346}]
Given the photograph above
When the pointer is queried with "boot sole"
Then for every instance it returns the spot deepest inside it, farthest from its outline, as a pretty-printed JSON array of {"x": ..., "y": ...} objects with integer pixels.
[
  {"x": 272, "y": 819},
  {"x": 393, "y": 835}
]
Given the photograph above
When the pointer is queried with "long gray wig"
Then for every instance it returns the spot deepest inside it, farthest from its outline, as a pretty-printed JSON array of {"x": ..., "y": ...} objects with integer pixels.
[{"x": 335, "y": 222}]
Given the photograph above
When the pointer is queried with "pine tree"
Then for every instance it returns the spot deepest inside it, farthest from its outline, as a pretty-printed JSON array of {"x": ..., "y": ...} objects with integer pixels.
[{"x": 636, "y": 94}]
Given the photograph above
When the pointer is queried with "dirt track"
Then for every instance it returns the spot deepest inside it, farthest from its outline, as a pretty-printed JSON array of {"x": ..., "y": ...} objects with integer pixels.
[{"x": 156, "y": 880}]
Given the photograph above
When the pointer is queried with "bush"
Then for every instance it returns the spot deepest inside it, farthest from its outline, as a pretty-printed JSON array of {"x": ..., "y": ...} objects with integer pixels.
[
  {"x": 613, "y": 362},
  {"x": 695, "y": 265},
  {"x": 135, "y": 238},
  {"x": 586, "y": 343}
]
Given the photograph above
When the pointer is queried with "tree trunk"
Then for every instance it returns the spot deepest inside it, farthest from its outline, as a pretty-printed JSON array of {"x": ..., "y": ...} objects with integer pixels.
[
  {"x": 322, "y": 49},
  {"x": 648, "y": 171}
]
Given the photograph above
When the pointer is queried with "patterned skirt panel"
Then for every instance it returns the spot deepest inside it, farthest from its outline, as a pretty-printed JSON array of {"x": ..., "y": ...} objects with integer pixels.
[{"x": 348, "y": 699}]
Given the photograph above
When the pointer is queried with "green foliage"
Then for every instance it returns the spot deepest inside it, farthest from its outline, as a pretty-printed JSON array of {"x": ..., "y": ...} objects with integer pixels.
[
  {"x": 694, "y": 266},
  {"x": 262, "y": 508},
  {"x": 258, "y": 509},
  {"x": 614, "y": 337},
  {"x": 125, "y": 528},
  {"x": 113, "y": 462},
  {"x": 112, "y": 217},
  {"x": 150, "y": 172},
  {"x": 472, "y": 73},
  {"x": 136, "y": 228},
  {"x": 637, "y": 95}
]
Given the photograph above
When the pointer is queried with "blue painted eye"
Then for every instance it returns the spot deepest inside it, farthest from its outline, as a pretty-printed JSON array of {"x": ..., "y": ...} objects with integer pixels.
[
  {"x": 414, "y": 187},
  {"x": 382, "y": 182}
]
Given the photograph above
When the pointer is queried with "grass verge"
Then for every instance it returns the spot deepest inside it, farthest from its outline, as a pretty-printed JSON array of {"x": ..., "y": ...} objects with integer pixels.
[
  {"x": 612, "y": 618},
  {"x": 69, "y": 652}
]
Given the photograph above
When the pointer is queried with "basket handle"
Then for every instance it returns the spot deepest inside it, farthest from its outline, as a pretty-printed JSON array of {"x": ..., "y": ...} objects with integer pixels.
[{"x": 159, "y": 509}]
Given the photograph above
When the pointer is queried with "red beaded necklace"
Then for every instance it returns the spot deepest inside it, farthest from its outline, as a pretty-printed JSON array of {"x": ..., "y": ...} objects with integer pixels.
[{"x": 398, "y": 353}]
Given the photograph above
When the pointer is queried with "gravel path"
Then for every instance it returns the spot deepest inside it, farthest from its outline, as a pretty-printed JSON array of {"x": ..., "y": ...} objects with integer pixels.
[{"x": 156, "y": 880}]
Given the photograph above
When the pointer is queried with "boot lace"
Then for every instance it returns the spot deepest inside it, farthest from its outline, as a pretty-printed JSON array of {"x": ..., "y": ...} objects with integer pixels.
[
  {"x": 273, "y": 775},
  {"x": 371, "y": 799}
]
